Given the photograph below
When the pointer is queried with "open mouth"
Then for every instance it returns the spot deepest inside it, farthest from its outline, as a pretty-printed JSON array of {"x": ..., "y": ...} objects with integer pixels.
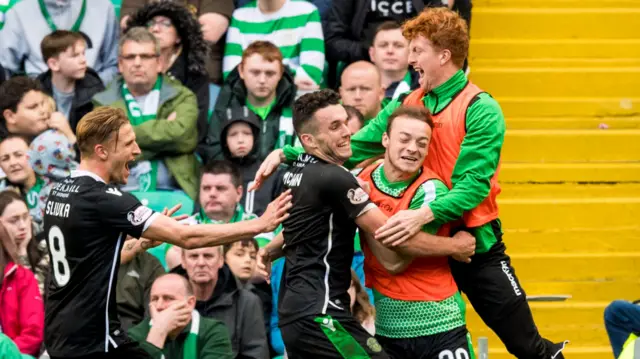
[
  {"x": 128, "y": 165},
  {"x": 409, "y": 158}
]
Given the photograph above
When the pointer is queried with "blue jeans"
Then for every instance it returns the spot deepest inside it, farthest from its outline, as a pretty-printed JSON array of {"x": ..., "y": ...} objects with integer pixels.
[{"x": 621, "y": 318}]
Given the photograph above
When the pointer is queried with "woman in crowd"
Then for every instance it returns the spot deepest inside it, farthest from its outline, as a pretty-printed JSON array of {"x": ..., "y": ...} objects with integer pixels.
[
  {"x": 32, "y": 252},
  {"x": 21, "y": 305},
  {"x": 182, "y": 49},
  {"x": 361, "y": 307}
]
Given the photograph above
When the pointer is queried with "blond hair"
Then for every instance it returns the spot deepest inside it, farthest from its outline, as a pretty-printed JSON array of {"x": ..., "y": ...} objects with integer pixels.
[{"x": 99, "y": 127}]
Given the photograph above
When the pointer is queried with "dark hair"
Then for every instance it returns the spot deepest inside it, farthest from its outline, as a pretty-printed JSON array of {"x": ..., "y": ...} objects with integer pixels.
[
  {"x": 362, "y": 308},
  {"x": 13, "y": 90},
  {"x": 353, "y": 112},
  {"x": 415, "y": 112},
  {"x": 307, "y": 105},
  {"x": 386, "y": 26},
  {"x": 58, "y": 42},
  {"x": 98, "y": 127},
  {"x": 12, "y": 136},
  {"x": 244, "y": 243},
  {"x": 219, "y": 167},
  {"x": 33, "y": 253}
]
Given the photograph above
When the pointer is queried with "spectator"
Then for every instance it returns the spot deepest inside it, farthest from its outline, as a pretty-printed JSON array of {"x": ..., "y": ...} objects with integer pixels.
[
  {"x": 32, "y": 252},
  {"x": 163, "y": 114},
  {"x": 23, "y": 108},
  {"x": 182, "y": 50},
  {"x": 390, "y": 53},
  {"x": 351, "y": 25},
  {"x": 29, "y": 21},
  {"x": 22, "y": 309},
  {"x": 178, "y": 330},
  {"x": 355, "y": 121},
  {"x": 214, "y": 17},
  {"x": 241, "y": 258},
  {"x": 361, "y": 88},
  {"x": 360, "y": 305},
  {"x": 292, "y": 25},
  {"x": 221, "y": 296},
  {"x": 261, "y": 83},
  {"x": 322, "y": 5},
  {"x": 22, "y": 178},
  {"x": 69, "y": 81},
  {"x": 240, "y": 144},
  {"x": 622, "y": 319},
  {"x": 135, "y": 278}
]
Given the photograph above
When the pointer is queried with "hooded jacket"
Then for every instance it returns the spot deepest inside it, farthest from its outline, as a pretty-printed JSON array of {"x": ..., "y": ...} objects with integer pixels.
[
  {"x": 22, "y": 309},
  {"x": 255, "y": 202},
  {"x": 240, "y": 310},
  {"x": 233, "y": 94},
  {"x": 189, "y": 68},
  {"x": 25, "y": 27},
  {"x": 84, "y": 91}
]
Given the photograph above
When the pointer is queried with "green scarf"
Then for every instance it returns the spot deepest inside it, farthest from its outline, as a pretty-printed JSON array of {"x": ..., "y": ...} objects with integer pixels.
[
  {"x": 190, "y": 346},
  {"x": 285, "y": 124},
  {"x": 52, "y": 25},
  {"x": 33, "y": 195},
  {"x": 238, "y": 215},
  {"x": 138, "y": 115}
]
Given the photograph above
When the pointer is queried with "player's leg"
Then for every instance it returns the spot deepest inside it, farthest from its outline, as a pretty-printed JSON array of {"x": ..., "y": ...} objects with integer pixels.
[
  {"x": 399, "y": 348},
  {"x": 453, "y": 344},
  {"x": 325, "y": 337},
  {"x": 491, "y": 284}
]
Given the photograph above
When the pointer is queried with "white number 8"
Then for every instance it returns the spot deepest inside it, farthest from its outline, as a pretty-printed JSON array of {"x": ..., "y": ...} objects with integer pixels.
[{"x": 58, "y": 254}]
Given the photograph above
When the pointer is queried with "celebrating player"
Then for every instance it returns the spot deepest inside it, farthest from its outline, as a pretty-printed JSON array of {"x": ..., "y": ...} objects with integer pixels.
[
  {"x": 86, "y": 221},
  {"x": 328, "y": 203}
]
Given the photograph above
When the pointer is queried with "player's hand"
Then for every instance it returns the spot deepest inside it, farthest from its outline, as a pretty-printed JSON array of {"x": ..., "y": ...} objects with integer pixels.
[
  {"x": 400, "y": 227},
  {"x": 263, "y": 264},
  {"x": 465, "y": 245},
  {"x": 267, "y": 168},
  {"x": 175, "y": 316},
  {"x": 276, "y": 211}
]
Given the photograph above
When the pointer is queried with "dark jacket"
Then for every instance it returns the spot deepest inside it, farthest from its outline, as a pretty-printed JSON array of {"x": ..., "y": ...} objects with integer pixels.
[
  {"x": 240, "y": 310},
  {"x": 344, "y": 29},
  {"x": 189, "y": 68},
  {"x": 213, "y": 340},
  {"x": 134, "y": 284},
  {"x": 85, "y": 89},
  {"x": 258, "y": 201},
  {"x": 233, "y": 94}
]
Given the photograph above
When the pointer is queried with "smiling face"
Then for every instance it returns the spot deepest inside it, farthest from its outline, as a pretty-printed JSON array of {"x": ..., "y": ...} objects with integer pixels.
[
  {"x": 121, "y": 153},
  {"x": 14, "y": 160},
  {"x": 329, "y": 134},
  {"x": 407, "y": 144},
  {"x": 427, "y": 61}
]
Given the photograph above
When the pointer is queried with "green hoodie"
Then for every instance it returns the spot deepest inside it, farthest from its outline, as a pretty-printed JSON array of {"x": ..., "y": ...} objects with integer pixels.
[
  {"x": 212, "y": 341},
  {"x": 477, "y": 162},
  {"x": 174, "y": 141}
]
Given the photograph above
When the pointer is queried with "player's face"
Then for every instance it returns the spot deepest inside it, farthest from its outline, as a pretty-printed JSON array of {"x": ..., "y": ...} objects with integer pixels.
[
  {"x": 332, "y": 137},
  {"x": 14, "y": 160},
  {"x": 219, "y": 196},
  {"x": 427, "y": 61},
  {"x": 390, "y": 51},
  {"x": 169, "y": 290},
  {"x": 241, "y": 259},
  {"x": 260, "y": 76},
  {"x": 407, "y": 144},
  {"x": 125, "y": 151},
  {"x": 202, "y": 264},
  {"x": 17, "y": 221},
  {"x": 240, "y": 139},
  {"x": 31, "y": 116}
]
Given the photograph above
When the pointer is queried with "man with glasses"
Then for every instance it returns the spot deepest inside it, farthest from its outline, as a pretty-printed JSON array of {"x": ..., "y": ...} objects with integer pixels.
[{"x": 163, "y": 114}]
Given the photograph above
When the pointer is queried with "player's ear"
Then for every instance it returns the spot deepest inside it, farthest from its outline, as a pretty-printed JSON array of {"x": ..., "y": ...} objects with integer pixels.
[
  {"x": 101, "y": 152},
  {"x": 307, "y": 140},
  {"x": 385, "y": 140}
]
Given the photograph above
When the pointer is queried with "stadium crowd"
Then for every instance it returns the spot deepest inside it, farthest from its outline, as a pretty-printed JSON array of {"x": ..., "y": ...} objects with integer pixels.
[{"x": 209, "y": 87}]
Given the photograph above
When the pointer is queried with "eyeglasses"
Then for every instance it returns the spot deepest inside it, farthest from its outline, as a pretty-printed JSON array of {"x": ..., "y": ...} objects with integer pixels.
[
  {"x": 165, "y": 23},
  {"x": 144, "y": 57}
]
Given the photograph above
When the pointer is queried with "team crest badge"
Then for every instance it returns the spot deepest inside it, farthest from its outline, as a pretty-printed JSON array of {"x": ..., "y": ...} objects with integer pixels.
[
  {"x": 357, "y": 195},
  {"x": 373, "y": 344}
]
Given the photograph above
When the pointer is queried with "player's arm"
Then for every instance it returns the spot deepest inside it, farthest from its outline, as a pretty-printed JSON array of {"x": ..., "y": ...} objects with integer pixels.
[{"x": 168, "y": 230}]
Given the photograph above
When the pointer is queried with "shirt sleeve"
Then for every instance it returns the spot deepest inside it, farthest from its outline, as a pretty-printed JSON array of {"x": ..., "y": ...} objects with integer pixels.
[
  {"x": 342, "y": 189},
  {"x": 124, "y": 212},
  {"x": 426, "y": 194},
  {"x": 477, "y": 162},
  {"x": 365, "y": 144}
]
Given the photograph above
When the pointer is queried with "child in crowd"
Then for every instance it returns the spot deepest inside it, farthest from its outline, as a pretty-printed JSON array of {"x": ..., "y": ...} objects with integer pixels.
[{"x": 241, "y": 258}]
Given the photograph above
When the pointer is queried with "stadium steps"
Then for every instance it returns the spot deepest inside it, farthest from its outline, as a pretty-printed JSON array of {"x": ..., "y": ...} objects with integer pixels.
[{"x": 567, "y": 75}]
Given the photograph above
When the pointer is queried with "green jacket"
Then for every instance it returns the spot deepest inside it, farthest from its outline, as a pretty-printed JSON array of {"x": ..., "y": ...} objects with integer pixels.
[
  {"x": 477, "y": 162},
  {"x": 213, "y": 341},
  {"x": 172, "y": 141}
]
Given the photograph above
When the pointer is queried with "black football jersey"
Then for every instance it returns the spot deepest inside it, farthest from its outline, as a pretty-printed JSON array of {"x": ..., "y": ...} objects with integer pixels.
[
  {"x": 318, "y": 236},
  {"x": 86, "y": 222}
]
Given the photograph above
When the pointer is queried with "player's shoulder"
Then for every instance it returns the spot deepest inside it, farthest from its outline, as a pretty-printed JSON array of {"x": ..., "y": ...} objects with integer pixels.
[{"x": 427, "y": 192}]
